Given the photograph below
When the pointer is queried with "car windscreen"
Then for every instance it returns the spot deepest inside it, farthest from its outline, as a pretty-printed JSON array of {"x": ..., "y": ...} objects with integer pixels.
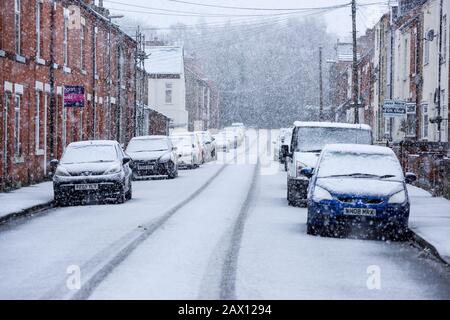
[
  {"x": 146, "y": 145},
  {"x": 342, "y": 164},
  {"x": 315, "y": 138},
  {"x": 185, "y": 141},
  {"x": 89, "y": 154}
]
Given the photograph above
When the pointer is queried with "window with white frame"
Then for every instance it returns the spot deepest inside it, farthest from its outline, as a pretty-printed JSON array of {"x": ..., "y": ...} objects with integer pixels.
[
  {"x": 387, "y": 127},
  {"x": 66, "y": 38},
  {"x": 17, "y": 27},
  {"x": 16, "y": 136},
  {"x": 426, "y": 51},
  {"x": 38, "y": 28},
  {"x": 168, "y": 96},
  {"x": 37, "y": 120},
  {"x": 425, "y": 120},
  {"x": 82, "y": 45},
  {"x": 405, "y": 60},
  {"x": 411, "y": 120}
]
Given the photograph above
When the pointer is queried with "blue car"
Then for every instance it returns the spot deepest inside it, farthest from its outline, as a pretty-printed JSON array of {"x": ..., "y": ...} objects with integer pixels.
[{"x": 358, "y": 186}]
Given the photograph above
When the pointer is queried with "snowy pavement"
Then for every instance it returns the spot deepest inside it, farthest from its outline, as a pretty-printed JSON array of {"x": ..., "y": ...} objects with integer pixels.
[
  {"x": 25, "y": 198},
  {"x": 430, "y": 219},
  {"x": 187, "y": 256}
]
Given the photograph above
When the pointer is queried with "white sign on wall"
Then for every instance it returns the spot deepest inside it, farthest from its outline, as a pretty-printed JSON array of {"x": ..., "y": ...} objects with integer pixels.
[{"x": 394, "y": 108}]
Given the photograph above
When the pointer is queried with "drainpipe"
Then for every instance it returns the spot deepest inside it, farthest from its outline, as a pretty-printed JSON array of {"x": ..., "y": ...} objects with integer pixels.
[
  {"x": 439, "y": 98},
  {"x": 52, "y": 90}
]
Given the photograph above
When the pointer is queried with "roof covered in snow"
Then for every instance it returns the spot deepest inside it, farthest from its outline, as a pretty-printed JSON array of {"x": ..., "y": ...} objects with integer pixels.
[
  {"x": 358, "y": 149},
  {"x": 164, "y": 60},
  {"x": 331, "y": 125}
]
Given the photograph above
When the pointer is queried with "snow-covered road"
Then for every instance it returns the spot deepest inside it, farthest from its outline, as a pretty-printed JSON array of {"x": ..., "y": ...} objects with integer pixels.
[{"x": 221, "y": 243}]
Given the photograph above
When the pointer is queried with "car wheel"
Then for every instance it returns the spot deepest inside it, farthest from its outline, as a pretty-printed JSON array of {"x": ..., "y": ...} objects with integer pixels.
[
  {"x": 171, "y": 170},
  {"x": 312, "y": 230},
  {"x": 129, "y": 193},
  {"x": 121, "y": 197}
]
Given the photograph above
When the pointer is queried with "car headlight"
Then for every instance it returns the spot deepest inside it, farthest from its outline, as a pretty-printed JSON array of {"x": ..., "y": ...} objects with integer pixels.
[
  {"x": 320, "y": 194},
  {"x": 114, "y": 169},
  {"x": 62, "y": 172},
  {"x": 399, "y": 197},
  {"x": 164, "y": 158}
]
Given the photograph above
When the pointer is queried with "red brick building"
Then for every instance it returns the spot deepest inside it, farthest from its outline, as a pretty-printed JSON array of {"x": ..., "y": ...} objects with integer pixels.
[{"x": 45, "y": 45}]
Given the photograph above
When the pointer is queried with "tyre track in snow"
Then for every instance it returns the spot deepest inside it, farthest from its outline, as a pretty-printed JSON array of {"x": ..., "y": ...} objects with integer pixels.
[
  {"x": 229, "y": 268},
  {"x": 95, "y": 270}
]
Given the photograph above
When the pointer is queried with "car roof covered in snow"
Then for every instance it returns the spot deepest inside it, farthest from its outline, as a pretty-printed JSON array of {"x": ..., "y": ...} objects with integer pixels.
[
  {"x": 331, "y": 125},
  {"x": 357, "y": 149},
  {"x": 93, "y": 143},
  {"x": 154, "y": 137}
]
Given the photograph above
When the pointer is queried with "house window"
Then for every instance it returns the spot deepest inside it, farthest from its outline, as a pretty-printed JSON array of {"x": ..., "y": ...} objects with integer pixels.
[
  {"x": 82, "y": 46},
  {"x": 410, "y": 120},
  {"x": 426, "y": 51},
  {"x": 405, "y": 61},
  {"x": 387, "y": 127},
  {"x": 38, "y": 28},
  {"x": 17, "y": 30},
  {"x": 37, "y": 134},
  {"x": 17, "y": 125},
  {"x": 66, "y": 38},
  {"x": 168, "y": 93},
  {"x": 425, "y": 121}
]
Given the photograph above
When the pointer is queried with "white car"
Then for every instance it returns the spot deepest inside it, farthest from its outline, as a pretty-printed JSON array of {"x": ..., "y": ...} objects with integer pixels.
[
  {"x": 222, "y": 143},
  {"x": 209, "y": 145},
  {"x": 188, "y": 149}
]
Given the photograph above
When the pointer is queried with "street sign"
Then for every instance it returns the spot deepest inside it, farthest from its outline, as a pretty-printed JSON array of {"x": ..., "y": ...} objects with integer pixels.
[
  {"x": 73, "y": 96},
  {"x": 394, "y": 108}
]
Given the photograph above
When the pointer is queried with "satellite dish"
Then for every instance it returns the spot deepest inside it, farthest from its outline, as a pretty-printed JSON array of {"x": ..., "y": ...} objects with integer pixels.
[{"x": 430, "y": 35}]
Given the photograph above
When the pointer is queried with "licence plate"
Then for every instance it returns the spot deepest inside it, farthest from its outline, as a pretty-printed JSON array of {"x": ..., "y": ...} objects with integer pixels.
[
  {"x": 91, "y": 186},
  {"x": 360, "y": 212},
  {"x": 145, "y": 167}
]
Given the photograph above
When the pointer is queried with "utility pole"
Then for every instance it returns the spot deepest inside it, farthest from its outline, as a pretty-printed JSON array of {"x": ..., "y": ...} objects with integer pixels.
[
  {"x": 439, "y": 119},
  {"x": 321, "y": 118},
  {"x": 355, "y": 84}
]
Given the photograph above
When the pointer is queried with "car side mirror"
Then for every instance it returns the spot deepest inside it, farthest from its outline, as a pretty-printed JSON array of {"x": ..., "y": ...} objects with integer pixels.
[
  {"x": 307, "y": 172},
  {"x": 410, "y": 177},
  {"x": 54, "y": 163},
  {"x": 126, "y": 160}
]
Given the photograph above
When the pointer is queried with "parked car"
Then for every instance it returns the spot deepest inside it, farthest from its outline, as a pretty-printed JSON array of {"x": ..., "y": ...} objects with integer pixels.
[
  {"x": 153, "y": 156},
  {"x": 209, "y": 145},
  {"x": 222, "y": 142},
  {"x": 188, "y": 149},
  {"x": 358, "y": 185},
  {"x": 308, "y": 140},
  {"x": 282, "y": 146},
  {"x": 98, "y": 168}
]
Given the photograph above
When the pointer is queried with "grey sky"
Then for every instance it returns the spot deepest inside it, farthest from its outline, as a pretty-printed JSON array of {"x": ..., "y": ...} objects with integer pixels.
[{"x": 338, "y": 21}]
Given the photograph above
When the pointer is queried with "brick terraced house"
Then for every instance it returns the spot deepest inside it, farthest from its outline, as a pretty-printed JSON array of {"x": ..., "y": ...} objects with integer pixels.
[{"x": 46, "y": 45}]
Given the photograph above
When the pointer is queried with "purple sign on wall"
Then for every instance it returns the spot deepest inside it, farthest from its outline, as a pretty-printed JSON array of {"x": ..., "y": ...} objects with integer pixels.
[{"x": 73, "y": 96}]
